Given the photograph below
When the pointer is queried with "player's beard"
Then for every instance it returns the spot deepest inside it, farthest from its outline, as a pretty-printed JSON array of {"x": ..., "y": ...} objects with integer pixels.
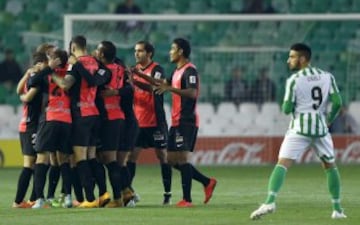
[{"x": 296, "y": 67}]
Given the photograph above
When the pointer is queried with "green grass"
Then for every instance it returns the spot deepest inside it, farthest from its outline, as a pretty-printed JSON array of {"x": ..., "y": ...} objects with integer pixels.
[{"x": 304, "y": 199}]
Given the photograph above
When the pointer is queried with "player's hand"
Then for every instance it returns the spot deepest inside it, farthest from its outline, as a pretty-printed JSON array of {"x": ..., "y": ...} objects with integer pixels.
[
  {"x": 108, "y": 92},
  {"x": 130, "y": 75},
  {"x": 161, "y": 88},
  {"x": 30, "y": 71},
  {"x": 72, "y": 59},
  {"x": 159, "y": 82},
  {"x": 135, "y": 70},
  {"x": 129, "y": 71}
]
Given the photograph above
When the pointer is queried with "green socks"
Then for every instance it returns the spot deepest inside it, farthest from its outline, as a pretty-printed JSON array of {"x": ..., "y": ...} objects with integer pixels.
[
  {"x": 278, "y": 176},
  {"x": 333, "y": 180},
  {"x": 275, "y": 182}
]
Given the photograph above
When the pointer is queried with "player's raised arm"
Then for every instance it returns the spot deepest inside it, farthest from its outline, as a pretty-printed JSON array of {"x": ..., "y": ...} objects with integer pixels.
[
  {"x": 64, "y": 83},
  {"x": 101, "y": 77},
  {"x": 22, "y": 82}
]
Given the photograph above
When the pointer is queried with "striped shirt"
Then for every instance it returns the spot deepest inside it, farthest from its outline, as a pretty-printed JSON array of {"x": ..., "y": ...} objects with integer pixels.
[{"x": 309, "y": 90}]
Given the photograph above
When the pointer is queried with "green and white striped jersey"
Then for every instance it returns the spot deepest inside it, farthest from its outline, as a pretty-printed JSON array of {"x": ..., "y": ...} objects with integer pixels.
[{"x": 307, "y": 95}]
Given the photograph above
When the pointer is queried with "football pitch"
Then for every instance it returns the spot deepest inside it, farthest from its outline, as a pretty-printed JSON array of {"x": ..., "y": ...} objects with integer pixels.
[{"x": 304, "y": 199}]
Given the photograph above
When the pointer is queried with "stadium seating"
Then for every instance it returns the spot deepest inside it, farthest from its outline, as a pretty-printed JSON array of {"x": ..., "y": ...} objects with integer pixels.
[
  {"x": 249, "y": 108},
  {"x": 15, "y": 7},
  {"x": 206, "y": 112},
  {"x": 227, "y": 109}
]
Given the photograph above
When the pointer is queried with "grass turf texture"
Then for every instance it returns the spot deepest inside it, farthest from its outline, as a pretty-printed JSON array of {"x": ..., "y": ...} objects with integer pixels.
[{"x": 304, "y": 199}]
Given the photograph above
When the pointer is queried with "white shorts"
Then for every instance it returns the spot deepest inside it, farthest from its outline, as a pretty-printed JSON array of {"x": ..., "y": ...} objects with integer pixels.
[{"x": 294, "y": 145}]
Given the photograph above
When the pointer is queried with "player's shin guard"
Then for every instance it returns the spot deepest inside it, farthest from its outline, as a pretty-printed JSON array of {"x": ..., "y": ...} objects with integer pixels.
[
  {"x": 124, "y": 177},
  {"x": 98, "y": 172},
  {"x": 333, "y": 180},
  {"x": 76, "y": 184},
  {"x": 87, "y": 180},
  {"x": 114, "y": 177},
  {"x": 275, "y": 182},
  {"x": 196, "y": 175},
  {"x": 53, "y": 177},
  {"x": 23, "y": 184},
  {"x": 39, "y": 179},
  {"x": 166, "y": 174},
  {"x": 131, "y": 166},
  {"x": 66, "y": 177},
  {"x": 186, "y": 178}
]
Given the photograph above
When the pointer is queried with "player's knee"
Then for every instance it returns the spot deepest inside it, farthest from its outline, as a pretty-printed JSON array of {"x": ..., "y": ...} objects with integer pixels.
[{"x": 161, "y": 155}]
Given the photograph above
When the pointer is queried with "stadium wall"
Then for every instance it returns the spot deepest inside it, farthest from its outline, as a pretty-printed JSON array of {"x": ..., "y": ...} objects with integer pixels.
[{"x": 211, "y": 151}]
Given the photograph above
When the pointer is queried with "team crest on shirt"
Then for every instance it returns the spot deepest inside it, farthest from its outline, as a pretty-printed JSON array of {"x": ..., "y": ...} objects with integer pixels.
[
  {"x": 157, "y": 75},
  {"x": 192, "y": 79},
  {"x": 69, "y": 67},
  {"x": 101, "y": 72}
]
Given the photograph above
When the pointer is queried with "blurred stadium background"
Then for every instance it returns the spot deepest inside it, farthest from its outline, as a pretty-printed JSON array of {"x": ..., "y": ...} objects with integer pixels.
[{"x": 218, "y": 47}]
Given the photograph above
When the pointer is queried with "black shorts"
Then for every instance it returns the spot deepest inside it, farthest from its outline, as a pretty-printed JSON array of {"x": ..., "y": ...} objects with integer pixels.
[
  {"x": 182, "y": 138},
  {"x": 109, "y": 135},
  {"x": 152, "y": 137},
  {"x": 53, "y": 136},
  {"x": 85, "y": 131},
  {"x": 27, "y": 142},
  {"x": 128, "y": 136}
]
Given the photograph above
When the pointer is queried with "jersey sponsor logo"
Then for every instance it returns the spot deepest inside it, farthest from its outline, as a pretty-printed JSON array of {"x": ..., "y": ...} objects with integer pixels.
[
  {"x": 101, "y": 72},
  {"x": 179, "y": 139},
  {"x": 192, "y": 79},
  {"x": 159, "y": 137},
  {"x": 157, "y": 75},
  {"x": 313, "y": 78}
]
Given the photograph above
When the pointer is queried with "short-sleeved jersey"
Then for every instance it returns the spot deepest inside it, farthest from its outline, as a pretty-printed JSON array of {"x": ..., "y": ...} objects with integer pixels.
[
  {"x": 109, "y": 107},
  {"x": 183, "y": 108},
  {"x": 309, "y": 90},
  {"x": 55, "y": 101},
  {"x": 31, "y": 111},
  {"x": 149, "y": 107},
  {"x": 82, "y": 94}
]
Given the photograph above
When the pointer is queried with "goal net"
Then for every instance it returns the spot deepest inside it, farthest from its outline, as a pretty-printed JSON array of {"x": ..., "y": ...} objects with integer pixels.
[{"x": 241, "y": 121}]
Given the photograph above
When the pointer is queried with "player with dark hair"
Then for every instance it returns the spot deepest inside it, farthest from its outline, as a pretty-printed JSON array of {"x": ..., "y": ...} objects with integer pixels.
[
  {"x": 54, "y": 168},
  {"x": 129, "y": 135},
  {"x": 81, "y": 81},
  {"x": 184, "y": 86},
  {"x": 31, "y": 99},
  {"x": 55, "y": 121},
  {"x": 149, "y": 111},
  {"x": 307, "y": 93},
  {"x": 112, "y": 119}
]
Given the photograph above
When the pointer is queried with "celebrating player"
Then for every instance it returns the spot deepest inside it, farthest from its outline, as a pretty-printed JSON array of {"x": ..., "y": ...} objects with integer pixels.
[
  {"x": 149, "y": 111},
  {"x": 184, "y": 86}
]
